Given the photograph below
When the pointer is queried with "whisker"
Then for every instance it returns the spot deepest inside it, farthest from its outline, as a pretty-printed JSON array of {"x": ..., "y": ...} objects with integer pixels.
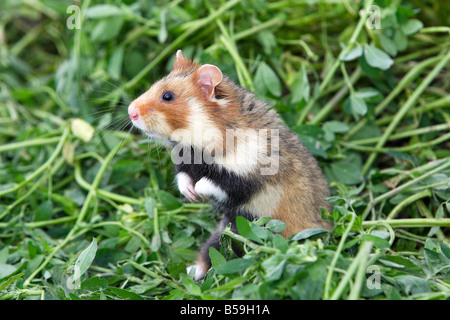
[
  {"x": 122, "y": 142},
  {"x": 111, "y": 84},
  {"x": 122, "y": 126}
]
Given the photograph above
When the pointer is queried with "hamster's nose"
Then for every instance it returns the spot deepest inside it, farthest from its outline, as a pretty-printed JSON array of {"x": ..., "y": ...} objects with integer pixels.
[{"x": 133, "y": 112}]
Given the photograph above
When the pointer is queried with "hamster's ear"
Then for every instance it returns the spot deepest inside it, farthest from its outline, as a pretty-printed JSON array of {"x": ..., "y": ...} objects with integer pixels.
[
  {"x": 207, "y": 77},
  {"x": 181, "y": 62}
]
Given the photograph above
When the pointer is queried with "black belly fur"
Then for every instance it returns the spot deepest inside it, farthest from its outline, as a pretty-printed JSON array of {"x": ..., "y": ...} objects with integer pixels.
[{"x": 239, "y": 189}]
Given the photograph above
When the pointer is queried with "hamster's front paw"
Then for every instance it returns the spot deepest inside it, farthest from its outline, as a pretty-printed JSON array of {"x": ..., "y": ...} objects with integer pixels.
[
  {"x": 186, "y": 186},
  {"x": 205, "y": 188}
]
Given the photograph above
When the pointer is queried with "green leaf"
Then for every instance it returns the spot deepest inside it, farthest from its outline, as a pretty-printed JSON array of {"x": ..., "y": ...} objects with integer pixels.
[
  {"x": 44, "y": 211},
  {"x": 358, "y": 106},
  {"x": 175, "y": 269},
  {"x": 245, "y": 230},
  {"x": 388, "y": 44},
  {"x": 377, "y": 241},
  {"x": 412, "y": 284},
  {"x": 133, "y": 245},
  {"x": 445, "y": 249},
  {"x": 107, "y": 29},
  {"x": 300, "y": 88},
  {"x": 7, "y": 282},
  {"x": 124, "y": 294},
  {"x": 400, "y": 39},
  {"x": 190, "y": 285},
  {"x": 280, "y": 243},
  {"x": 276, "y": 225},
  {"x": 101, "y": 11},
  {"x": 85, "y": 260},
  {"x": 268, "y": 40},
  {"x": 377, "y": 58},
  {"x": 347, "y": 173},
  {"x": 312, "y": 136},
  {"x": 352, "y": 54},
  {"x": 261, "y": 221},
  {"x": 94, "y": 284},
  {"x": 309, "y": 283},
  {"x": 235, "y": 266},
  {"x": 233, "y": 283},
  {"x": 115, "y": 63},
  {"x": 216, "y": 258},
  {"x": 369, "y": 94},
  {"x": 146, "y": 286},
  {"x": 398, "y": 262},
  {"x": 336, "y": 126},
  {"x": 274, "y": 267},
  {"x": 332, "y": 127},
  {"x": 411, "y": 26},
  {"x": 156, "y": 242},
  {"x": 4, "y": 255},
  {"x": 168, "y": 200},
  {"x": 308, "y": 233},
  {"x": 6, "y": 270},
  {"x": 313, "y": 145},
  {"x": 150, "y": 206},
  {"x": 266, "y": 80}
]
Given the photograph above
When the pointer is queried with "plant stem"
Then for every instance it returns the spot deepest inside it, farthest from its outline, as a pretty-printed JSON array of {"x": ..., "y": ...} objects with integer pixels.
[
  {"x": 336, "y": 257},
  {"x": 42, "y": 168},
  {"x": 411, "y": 147},
  {"x": 104, "y": 193},
  {"x": 411, "y": 223},
  {"x": 30, "y": 143},
  {"x": 336, "y": 64},
  {"x": 408, "y": 201},
  {"x": 443, "y": 102},
  {"x": 249, "y": 243},
  {"x": 130, "y": 230},
  {"x": 246, "y": 33},
  {"x": 405, "y": 134},
  {"x": 84, "y": 210},
  {"x": 359, "y": 263},
  {"x": 337, "y": 97},
  {"x": 406, "y": 107},
  {"x": 406, "y": 80},
  {"x": 442, "y": 166},
  {"x": 173, "y": 46}
]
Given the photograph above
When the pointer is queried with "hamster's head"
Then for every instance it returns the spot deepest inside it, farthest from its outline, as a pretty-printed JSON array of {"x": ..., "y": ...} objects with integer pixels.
[{"x": 181, "y": 103}]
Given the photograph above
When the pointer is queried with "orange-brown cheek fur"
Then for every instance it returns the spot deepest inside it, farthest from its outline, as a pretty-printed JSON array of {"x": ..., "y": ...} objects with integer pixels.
[{"x": 175, "y": 113}]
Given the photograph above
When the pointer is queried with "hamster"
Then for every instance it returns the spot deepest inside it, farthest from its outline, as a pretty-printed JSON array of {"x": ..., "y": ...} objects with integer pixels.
[{"x": 232, "y": 150}]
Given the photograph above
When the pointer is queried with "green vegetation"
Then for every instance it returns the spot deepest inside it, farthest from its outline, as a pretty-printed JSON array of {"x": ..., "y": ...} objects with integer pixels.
[{"x": 88, "y": 208}]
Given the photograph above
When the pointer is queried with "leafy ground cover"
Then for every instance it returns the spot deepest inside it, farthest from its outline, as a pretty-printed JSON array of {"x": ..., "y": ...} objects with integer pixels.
[{"x": 88, "y": 208}]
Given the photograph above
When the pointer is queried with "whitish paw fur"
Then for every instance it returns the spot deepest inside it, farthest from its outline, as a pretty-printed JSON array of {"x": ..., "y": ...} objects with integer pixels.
[
  {"x": 205, "y": 188},
  {"x": 200, "y": 272},
  {"x": 186, "y": 186}
]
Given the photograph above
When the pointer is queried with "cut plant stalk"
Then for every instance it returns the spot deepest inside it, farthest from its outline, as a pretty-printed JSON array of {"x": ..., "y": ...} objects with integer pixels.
[
  {"x": 87, "y": 203},
  {"x": 336, "y": 64},
  {"x": 43, "y": 167},
  {"x": 406, "y": 107},
  {"x": 404, "y": 82},
  {"x": 442, "y": 166}
]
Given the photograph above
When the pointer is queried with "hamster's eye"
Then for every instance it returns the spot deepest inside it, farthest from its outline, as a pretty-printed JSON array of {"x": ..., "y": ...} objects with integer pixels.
[{"x": 168, "y": 96}]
